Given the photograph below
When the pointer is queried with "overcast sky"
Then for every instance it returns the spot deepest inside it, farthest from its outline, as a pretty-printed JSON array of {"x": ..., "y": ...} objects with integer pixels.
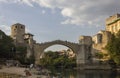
[{"x": 51, "y": 20}]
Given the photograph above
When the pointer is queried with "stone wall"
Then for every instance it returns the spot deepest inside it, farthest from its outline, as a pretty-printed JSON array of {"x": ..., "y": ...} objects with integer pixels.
[
  {"x": 17, "y": 32},
  {"x": 113, "y": 23},
  {"x": 101, "y": 43},
  {"x": 86, "y": 40},
  {"x": 112, "y": 18}
]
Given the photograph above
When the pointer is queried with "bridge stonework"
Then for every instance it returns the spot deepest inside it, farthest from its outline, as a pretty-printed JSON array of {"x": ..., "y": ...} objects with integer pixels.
[{"x": 82, "y": 51}]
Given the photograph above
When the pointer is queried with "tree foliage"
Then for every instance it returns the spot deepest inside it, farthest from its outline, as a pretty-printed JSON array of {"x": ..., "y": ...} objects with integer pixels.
[
  {"x": 9, "y": 51},
  {"x": 99, "y": 55},
  {"x": 6, "y": 46},
  {"x": 55, "y": 60},
  {"x": 21, "y": 54},
  {"x": 113, "y": 47}
]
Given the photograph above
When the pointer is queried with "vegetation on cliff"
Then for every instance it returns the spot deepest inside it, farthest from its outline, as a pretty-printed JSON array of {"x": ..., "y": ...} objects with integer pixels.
[
  {"x": 113, "y": 48},
  {"x": 53, "y": 59},
  {"x": 9, "y": 51},
  {"x": 21, "y": 54},
  {"x": 6, "y": 46}
]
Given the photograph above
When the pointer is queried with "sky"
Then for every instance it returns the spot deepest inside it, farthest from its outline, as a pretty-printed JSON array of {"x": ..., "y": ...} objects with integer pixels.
[{"x": 50, "y": 20}]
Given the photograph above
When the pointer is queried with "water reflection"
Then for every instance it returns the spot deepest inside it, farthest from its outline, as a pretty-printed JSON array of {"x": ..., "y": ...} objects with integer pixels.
[
  {"x": 97, "y": 74},
  {"x": 86, "y": 74}
]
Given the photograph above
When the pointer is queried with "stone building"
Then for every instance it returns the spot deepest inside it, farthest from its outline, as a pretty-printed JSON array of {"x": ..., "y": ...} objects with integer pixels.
[
  {"x": 102, "y": 37},
  {"x": 21, "y": 38},
  {"x": 28, "y": 38},
  {"x": 100, "y": 40},
  {"x": 113, "y": 23},
  {"x": 97, "y": 38}
]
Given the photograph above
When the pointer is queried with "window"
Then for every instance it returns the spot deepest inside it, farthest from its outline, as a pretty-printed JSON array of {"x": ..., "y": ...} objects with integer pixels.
[{"x": 15, "y": 26}]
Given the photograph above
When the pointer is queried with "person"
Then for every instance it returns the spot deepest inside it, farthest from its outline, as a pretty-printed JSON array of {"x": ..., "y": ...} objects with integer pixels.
[{"x": 31, "y": 66}]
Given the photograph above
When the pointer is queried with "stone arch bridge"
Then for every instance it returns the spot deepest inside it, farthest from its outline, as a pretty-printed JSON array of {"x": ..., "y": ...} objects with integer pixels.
[{"x": 82, "y": 51}]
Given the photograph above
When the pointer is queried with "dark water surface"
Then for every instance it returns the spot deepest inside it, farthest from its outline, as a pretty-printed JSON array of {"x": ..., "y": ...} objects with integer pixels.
[{"x": 61, "y": 73}]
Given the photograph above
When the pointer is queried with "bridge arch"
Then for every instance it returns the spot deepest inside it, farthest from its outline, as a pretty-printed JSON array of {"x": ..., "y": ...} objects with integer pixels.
[
  {"x": 58, "y": 42},
  {"x": 79, "y": 50}
]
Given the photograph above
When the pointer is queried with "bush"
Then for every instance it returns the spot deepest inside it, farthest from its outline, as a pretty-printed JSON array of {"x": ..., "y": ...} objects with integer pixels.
[{"x": 113, "y": 48}]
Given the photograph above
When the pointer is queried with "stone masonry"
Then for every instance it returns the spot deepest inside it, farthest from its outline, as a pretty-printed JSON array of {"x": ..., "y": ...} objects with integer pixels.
[{"x": 22, "y": 39}]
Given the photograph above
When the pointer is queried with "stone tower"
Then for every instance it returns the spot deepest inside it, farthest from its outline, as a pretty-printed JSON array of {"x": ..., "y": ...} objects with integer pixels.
[
  {"x": 87, "y": 40},
  {"x": 17, "y": 33}
]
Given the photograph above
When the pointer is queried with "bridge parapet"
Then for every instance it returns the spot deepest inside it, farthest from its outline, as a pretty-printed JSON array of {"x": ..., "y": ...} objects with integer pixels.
[{"x": 59, "y": 41}]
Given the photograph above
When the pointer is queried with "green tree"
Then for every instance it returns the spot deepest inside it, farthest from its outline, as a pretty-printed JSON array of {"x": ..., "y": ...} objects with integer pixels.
[
  {"x": 21, "y": 54},
  {"x": 113, "y": 48},
  {"x": 99, "y": 55},
  {"x": 6, "y": 46},
  {"x": 53, "y": 59}
]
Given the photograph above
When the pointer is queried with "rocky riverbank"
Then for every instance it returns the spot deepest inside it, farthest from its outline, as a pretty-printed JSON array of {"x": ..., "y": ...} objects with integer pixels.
[
  {"x": 8, "y": 75},
  {"x": 17, "y": 72}
]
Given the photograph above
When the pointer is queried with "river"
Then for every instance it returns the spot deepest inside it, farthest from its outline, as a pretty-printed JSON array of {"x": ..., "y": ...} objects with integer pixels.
[{"x": 85, "y": 73}]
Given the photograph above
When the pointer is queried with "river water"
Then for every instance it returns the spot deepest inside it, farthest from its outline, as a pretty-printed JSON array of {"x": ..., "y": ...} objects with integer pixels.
[{"x": 85, "y": 73}]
